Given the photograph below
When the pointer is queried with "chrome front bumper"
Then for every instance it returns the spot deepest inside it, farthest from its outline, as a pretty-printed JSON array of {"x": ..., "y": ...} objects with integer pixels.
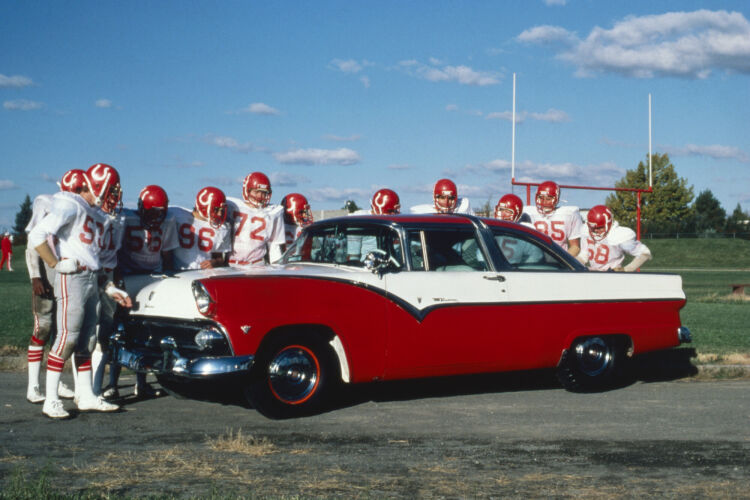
[{"x": 171, "y": 362}]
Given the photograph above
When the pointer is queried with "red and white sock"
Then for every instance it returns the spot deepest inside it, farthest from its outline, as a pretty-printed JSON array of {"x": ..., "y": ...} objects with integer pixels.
[
  {"x": 36, "y": 353},
  {"x": 54, "y": 372},
  {"x": 83, "y": 377}
]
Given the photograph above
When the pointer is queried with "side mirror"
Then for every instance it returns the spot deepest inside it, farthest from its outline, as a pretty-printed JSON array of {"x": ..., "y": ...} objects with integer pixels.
[{"x": 379, "y": 262}]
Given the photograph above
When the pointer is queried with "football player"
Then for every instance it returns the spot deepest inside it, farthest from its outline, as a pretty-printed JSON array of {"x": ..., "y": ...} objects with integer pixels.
[
  {"x": 297, "y": 215},
  {"x": 7, "y": 249},
  {"x": 149, "y": 238},
  {"x": 42, "y": 296},
  {"x": 562, "y": 224},
  {"x": 517, "y": 250},
  {"x": 385, "y": 202},
  {"x": 445, "y": 200},
  {"x": 606, "y": 243},
  {"x": 258, "y": 226},
  {"x": 204, "y": 237},
  {"x": 82, "y": 229}
]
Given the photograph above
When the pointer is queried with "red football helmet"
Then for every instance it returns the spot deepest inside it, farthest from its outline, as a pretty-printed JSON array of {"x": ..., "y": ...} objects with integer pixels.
[
  {"x": 599, "y": 220},
  {"x": 104, "y": 183},
  {"x": 445, "y": 195},
  {"x": 152, "y": 206},
  {"x": 256, "y": 190},
  {"x": 211, "y": 203},
  {"x": 509, "y": 207},
  {"x": 296, "y": 210},
  {"x": 385, "y": 202},
  {"x": 73, "y": 181},
  {"x": 547, "y": 197}
]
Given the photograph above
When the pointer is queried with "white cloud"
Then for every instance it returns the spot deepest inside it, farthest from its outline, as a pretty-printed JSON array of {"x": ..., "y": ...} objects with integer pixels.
[
  {"x": 680, "y": 44},
  {"x": 342, "y": 156},
  {"x": 600, "y": 174},
  {"x": 103, "y": 103},
  {"x": 346, "y": 66},
  {"x": 399, "y": 167},
  {"x": 555, "y": 2},
  {"x": 22, "y": 105},
  {"x": 337, "y": 194},
  {"x": 365, "y": 81},
  {"x": 286, "y": 180},
  {"x": 435, "y": 71},
  {"x": 15, "y": 81},
  {"x": 715, "y": 151},
  {"x": 338, "y": 138},
  {"x": 232, "y": 144},
  {"x": 259, "y": 108},
  {"x": 6, "y": 185},
  {"x": 551, "y": 115}
]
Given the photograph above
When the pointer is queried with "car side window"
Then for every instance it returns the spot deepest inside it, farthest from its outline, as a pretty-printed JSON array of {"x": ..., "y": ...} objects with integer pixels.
[
  {"x": 345, "y": 245},
  {"x": 449, "y": 250},
  {"x": 526, "y": 255}
]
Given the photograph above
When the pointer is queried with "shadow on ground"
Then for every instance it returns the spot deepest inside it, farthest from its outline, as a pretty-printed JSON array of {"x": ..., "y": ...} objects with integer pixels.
[{"x": 657, "y": 366}]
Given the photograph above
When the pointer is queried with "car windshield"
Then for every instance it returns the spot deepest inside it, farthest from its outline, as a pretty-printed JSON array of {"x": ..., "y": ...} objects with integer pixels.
[{"x": 345, "y": 245}]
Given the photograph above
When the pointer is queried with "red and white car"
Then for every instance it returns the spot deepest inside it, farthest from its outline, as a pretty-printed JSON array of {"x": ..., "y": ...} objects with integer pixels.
[{"x": 374, "y": 298}]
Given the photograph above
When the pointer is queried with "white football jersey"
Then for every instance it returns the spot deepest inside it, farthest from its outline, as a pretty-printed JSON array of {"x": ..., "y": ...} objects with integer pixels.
[
  {"x": 198, "y": 239},
  {"x": 109, "y": 255},
  {"x": 562, "y": 224},
  {"x": 609, "y": 252},
  {"x": 291, "y": 233},
  {"x": 254, "y": 231},
  {"x": 39, "y": 208},
  {"x": 82, "y": 232},
  {"x": 142, "y": 248},
  {"x": 463, "y": 206}
]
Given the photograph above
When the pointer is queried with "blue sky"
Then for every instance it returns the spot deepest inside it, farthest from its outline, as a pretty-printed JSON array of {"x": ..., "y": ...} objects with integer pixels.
[{"x": 335, "y": 99}]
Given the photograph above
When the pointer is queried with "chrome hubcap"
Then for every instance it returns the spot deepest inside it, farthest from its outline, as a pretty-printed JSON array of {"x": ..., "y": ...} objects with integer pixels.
[
  {"x": 593, "y": 356},
  {"x": 293, "y": 374}
]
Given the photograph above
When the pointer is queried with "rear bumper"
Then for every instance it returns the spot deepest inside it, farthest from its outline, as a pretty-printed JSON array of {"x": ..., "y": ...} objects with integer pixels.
[{"x": 171, "y": 362}]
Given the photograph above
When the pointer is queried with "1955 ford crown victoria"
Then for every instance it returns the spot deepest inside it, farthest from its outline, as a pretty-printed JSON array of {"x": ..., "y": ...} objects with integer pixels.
[{"x": 374, "y": 298}]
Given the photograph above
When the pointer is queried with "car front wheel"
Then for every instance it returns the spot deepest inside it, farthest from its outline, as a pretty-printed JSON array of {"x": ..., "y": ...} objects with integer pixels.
[
  {"x": 592, "y": 364},
  {"x": 292, "y": 378}
]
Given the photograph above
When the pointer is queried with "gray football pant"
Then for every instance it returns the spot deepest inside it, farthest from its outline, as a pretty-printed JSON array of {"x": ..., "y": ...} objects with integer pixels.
[{"x": 77, "y": 297}]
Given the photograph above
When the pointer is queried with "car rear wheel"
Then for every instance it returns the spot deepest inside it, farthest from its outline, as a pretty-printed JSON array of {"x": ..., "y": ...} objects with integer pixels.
[
  {"x": 292, "y": 378},
  {"x": 592, "y": 364}
]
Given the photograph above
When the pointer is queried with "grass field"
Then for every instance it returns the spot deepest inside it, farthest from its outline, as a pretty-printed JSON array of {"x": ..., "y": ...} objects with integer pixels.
[{"x": 708, "y": 267}]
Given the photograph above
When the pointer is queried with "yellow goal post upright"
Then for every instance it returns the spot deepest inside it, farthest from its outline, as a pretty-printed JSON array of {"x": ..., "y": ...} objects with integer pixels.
[{"x": 639, "y": 191}]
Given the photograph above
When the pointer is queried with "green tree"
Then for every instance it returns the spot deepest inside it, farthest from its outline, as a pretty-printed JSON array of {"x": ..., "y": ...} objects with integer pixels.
[
  {"x": 666, "y": 209},
  {"x": 22, "y": 220},
  {"x": 738, "y": 221},
  {"x": 351, "y": 206},
  {"x": 709, "y": 216}
]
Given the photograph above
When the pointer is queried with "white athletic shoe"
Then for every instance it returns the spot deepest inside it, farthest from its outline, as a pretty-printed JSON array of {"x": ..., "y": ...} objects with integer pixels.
[
  {"x": 53, "y": 408},
  {"x": 96, "y": 403},
  {"x": 64, "y": 391},
  {"x": 34, "y": 395}
]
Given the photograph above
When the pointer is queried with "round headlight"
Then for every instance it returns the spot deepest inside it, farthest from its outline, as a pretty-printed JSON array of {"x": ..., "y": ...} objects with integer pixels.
[
  {"x": 207, "y": 338},
  {"x": 203, "y": 299}
]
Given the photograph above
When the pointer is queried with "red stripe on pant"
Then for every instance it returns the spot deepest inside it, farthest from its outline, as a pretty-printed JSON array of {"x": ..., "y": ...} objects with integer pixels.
[
  {"x": 64, "y": 317},
  {"x": 83, "y": 363},
  {"x": 55, "y": 363}
]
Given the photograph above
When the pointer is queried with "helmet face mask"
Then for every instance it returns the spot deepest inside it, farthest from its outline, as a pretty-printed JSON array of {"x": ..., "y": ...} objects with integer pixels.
[
  {"x": 103, "y": 182},
  {"x": 211, "y": 204},
  {"x": 385, "y": 202},
  {"x": 152, "y": 206},
  {"x": 445, "y": 196},
  {"x": 297, "y": 210},
  {"x": 599, "y": 221},
  {"x": 547, "y": 197},
  {"x": 509, "y": 208},
  {"x": 256, "y": 190}
]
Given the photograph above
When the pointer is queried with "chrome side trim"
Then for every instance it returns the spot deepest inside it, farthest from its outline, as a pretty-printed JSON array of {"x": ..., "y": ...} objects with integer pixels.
[{"x": 338, "y": 348}]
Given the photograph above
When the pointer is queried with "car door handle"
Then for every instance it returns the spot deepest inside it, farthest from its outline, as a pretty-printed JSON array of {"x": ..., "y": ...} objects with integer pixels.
[{"x": 497, "y": 277}]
